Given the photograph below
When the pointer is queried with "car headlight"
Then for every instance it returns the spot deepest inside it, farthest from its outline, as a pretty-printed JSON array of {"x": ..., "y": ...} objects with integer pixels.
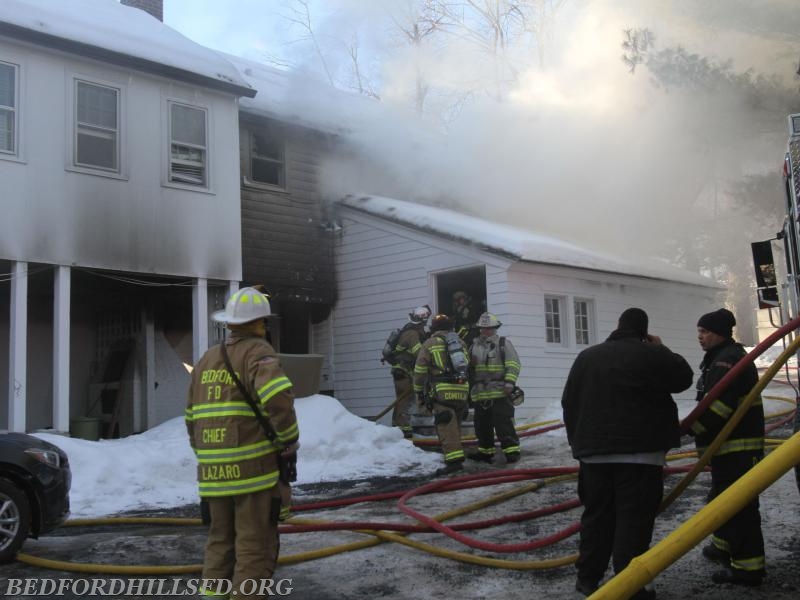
[{"x": 48, "y": 457}]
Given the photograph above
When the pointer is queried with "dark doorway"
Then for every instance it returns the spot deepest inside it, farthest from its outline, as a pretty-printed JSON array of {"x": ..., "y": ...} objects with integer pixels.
[{"x": 471, "y": 280}]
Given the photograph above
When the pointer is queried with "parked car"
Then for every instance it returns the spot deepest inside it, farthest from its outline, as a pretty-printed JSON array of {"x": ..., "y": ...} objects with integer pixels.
[{"x": 34, "y": 490}]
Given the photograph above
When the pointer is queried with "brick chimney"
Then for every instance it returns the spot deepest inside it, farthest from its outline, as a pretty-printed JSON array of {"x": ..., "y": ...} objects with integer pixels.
[{"x": 154, "y": 7}]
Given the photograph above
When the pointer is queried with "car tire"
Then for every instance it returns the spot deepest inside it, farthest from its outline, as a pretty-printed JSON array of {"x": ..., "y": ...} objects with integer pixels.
[{"x": 15, "y": 519}]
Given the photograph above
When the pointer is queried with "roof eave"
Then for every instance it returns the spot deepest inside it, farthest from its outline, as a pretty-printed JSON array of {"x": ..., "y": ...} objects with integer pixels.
[
  {"x": 118, "y": 58},
  {"x": 516, "y": 257}
]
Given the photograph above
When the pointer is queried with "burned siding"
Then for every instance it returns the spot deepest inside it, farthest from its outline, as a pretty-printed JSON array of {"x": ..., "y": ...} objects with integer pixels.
[{"x": 285, "y": 240}]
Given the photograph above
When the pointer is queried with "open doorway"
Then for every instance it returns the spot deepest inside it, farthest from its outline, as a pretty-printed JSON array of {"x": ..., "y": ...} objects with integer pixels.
[{"x": 471, "y": 280}]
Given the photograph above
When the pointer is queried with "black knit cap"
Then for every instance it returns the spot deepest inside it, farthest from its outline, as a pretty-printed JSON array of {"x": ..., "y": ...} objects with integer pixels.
[
  {"x": 720, "y": 322},
  {"x": 634, "y": 319}
]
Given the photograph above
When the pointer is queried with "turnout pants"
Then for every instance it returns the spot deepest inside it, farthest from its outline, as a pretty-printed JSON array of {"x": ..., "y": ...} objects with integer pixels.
[
  {"x": 497, "y": 417},
  {"x": 620, "y": 502},
  {"x": 448, "y": 430},
  {"x": 243, "y": 543},
  {"x": 741, "y": 536},
  {"x": 404, "y": 395}
]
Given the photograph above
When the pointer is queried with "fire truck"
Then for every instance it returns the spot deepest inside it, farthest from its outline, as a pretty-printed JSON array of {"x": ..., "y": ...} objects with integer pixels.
[{"x": 790, "y": 234}]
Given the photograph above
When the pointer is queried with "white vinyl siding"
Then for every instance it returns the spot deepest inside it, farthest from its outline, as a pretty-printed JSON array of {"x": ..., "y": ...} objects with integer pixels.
[
  {"x": 8, "y": 107},
  {"x": 188, "y": 145},
  {"x": 96, "y": 126}
]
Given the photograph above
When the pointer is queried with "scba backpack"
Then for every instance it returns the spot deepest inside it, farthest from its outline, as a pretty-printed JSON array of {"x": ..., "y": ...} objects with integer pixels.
[{"x": 389, "y": 352}]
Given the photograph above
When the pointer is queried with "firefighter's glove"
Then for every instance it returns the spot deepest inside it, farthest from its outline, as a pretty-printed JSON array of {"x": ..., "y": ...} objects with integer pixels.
[
  {"x": 508, "y": 388},
  {"x": 287, "y": 463}
]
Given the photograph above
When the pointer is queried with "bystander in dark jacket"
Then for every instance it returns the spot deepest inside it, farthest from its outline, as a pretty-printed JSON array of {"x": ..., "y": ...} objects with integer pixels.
[{"x": 621, "y": 420}]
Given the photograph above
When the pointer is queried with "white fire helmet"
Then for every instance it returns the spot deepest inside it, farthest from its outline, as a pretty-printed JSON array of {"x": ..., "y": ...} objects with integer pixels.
[
  {"x": 420, "y": 314},
  {"x": 244, "y": 305},
  {"x": 488, "y": 320}
]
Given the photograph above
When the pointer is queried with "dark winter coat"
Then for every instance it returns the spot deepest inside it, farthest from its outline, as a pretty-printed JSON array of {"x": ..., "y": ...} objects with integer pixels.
[
  {"x": 617, "y": 399},
  {"x": 748, "y": 435}
]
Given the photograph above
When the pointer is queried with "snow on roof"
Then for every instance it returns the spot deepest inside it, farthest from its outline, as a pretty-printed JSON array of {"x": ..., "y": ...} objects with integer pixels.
[
  {"x": 109, "y": 25},
  {"x": 517, "y": 243},
  {"x": 297, "y": 97}
]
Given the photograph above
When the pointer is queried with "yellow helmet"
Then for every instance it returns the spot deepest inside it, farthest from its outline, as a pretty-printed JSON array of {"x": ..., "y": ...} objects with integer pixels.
[{"x": 488, "y": 320}]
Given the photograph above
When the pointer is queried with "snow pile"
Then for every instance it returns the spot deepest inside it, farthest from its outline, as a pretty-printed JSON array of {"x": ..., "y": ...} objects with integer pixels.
[{"x": 157, "y": 469}]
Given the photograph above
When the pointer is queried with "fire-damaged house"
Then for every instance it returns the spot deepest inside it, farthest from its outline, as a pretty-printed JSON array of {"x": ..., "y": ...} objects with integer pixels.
[{"x": 145, "y": 177}]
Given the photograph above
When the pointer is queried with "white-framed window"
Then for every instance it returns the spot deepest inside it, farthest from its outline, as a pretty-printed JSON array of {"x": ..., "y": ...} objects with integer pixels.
[
  {"x": 583, "y": 310},
  {"x": 188, "y": 139},
  {"x": 554, "y": 320},
  {"x": 266, "y": 156},
  {"x": 9, "y": 103},
  {"x": 97, "y": 134}
]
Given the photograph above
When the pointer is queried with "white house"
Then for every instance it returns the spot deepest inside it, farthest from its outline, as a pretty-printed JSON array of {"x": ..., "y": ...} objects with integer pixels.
[
  {"x": 121, "y": 220},
  {"x": 553, "y": 298}
]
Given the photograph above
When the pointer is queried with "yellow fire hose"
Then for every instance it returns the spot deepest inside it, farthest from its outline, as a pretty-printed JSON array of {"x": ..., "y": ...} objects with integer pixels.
[{"x": 644, "y": 568}]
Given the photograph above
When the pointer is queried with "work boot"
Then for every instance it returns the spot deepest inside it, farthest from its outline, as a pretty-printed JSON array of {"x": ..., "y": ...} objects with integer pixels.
[
  {"x": 481, "y": 457},
  {"x": 738, "y": 577},
  {"x": 450, "y": 468},
  {"x": 714, "y": 554},
  {"x": 512, "y": 457},
  {"x": 586, "y": 587}
]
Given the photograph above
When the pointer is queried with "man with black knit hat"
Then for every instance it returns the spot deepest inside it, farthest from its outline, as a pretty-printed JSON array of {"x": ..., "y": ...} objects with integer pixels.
[
  {"x": 621, "y": 420},
  {"x": 738, "y": 545}
]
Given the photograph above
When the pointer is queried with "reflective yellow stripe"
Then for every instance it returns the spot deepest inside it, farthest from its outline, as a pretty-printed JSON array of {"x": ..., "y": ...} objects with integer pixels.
[
  {"x": 697, "y": 427},
  {"x": 289, "y": 433},
  {"x": 488, "y": 395},
  {"x": 219, "y": 455},
  {"x": 721, "y": 409},
  {"x": 511, "y": 450},
  {"x": 489, "y": 368},
  {"x": 721, "y": 544},
  {"x": 219, "y": 409},
  {"x": 455, "y": 454},
  {"x": 242, "y": 486},
  {"x": 741, "y": 445},
  {"x": 269, "y": 389},
  {"x": 489, "y": 451},
  {"x": 749, "y": 564}
]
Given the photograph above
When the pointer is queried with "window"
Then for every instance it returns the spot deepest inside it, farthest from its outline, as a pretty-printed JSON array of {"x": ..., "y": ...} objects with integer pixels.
[
  {"x": 553, "y": 322},
  {"x": 8, "y": 108},
  {"x": 188, "y": 145},
  {"x": 267, "y": 165},
  {"x": 96, "y": 126},
  {"x": 584, "y": 334}
]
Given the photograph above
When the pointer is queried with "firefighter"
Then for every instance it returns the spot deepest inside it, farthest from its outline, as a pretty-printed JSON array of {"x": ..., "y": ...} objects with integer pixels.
[
  {"x": 494, "y": 369},
  {"x": 738, "y": 545},
  {"x": 442, "y": 387},
  {"x": 238, "y": 471},
  {"x": 405, "y": 354},
  {"x": 464, "y": 316}
]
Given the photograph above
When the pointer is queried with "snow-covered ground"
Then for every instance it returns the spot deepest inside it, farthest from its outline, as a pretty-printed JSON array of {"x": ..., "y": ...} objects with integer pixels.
[{"x": 157, "y": 468}]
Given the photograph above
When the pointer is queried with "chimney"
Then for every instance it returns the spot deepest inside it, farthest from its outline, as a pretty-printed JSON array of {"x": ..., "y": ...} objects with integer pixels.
[{"x": 154, "y": 7}]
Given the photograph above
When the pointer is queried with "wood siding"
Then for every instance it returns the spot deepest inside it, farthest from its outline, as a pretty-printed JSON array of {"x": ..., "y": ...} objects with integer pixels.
[{"x": 285, "y": 242}]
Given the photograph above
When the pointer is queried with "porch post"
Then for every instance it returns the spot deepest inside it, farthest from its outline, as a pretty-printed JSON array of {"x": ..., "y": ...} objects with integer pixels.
[
  {"x": 199, "y": 319},
  {"x": 61, "y": 348},
  {"x": 18, "y": 348}
]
